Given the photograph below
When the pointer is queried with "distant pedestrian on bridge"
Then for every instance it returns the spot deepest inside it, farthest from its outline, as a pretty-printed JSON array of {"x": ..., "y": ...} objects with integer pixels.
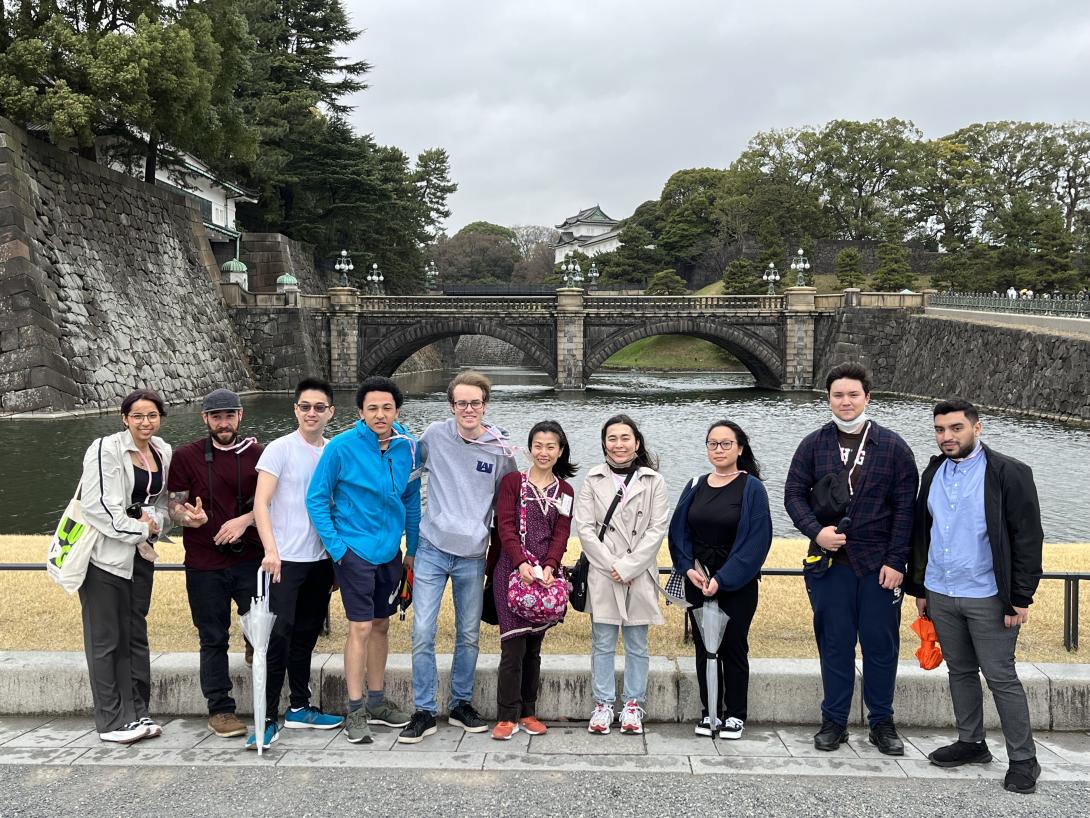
[
  {"x": 850, "y": 490},
  {"x": 974, "y": 568},
  {"x": 465, "y": 459}
]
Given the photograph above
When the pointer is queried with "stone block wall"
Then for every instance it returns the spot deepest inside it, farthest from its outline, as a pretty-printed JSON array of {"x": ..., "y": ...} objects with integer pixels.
[
  {"x": 1006, "y": 368},
  {"x": 283, "y": 344},
  {"x": 269, "y": 255},
  {"x": 106, "y": 284}
]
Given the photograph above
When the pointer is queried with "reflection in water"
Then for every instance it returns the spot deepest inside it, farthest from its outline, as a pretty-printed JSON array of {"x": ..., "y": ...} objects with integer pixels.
[{"x": 41, "y": 459}]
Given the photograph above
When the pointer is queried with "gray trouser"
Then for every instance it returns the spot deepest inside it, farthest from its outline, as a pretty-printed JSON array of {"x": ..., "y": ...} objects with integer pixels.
[
  {"x": 973, "y": 637},
  {"x": 115, "y": 641}
]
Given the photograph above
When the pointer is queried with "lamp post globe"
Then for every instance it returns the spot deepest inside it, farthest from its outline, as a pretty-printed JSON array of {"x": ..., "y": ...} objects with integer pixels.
[
  {"x": 801, "y": 265},
  {"x": 772, "y": 276}
]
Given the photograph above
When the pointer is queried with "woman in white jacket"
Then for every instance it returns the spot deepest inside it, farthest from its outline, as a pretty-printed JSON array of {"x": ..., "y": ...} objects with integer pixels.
[
  {"x": 623, "y": 578},
  {"x": 123, "y": 495}
]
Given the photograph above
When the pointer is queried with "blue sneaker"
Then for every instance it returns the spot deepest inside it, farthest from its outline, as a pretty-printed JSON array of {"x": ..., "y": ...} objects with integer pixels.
[
  {"x": 272, "y": 733},
  {"x": 311, "y": 717}
]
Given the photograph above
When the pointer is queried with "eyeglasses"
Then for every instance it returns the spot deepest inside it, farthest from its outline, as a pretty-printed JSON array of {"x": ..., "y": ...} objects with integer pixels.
[
  {"x": 462, "y": 405},
  {"x": 725, "y": 445},
  {"x": 140, "y": 417},
  {"x": 317, "y": 407}
]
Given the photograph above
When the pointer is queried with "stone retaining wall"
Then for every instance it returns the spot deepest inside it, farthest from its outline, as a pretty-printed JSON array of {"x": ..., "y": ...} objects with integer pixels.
[
  {"x": 106, "y": 284},
  {"x": 1005, "y": 368}
]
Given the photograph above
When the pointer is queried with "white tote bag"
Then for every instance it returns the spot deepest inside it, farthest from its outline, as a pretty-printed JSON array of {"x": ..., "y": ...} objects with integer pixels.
[{"x": 71, "y": 546}]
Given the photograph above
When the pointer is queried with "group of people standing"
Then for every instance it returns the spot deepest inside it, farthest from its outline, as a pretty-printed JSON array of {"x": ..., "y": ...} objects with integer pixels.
[{"x": 320, "y": 514}]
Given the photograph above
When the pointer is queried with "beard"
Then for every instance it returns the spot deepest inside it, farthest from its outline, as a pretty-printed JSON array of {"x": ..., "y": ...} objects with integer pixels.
[{"x": 224, "y": 437}]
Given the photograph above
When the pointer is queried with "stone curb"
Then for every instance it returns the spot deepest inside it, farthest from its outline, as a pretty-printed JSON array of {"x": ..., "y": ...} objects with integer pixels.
[{"x": 781, "y": 691}]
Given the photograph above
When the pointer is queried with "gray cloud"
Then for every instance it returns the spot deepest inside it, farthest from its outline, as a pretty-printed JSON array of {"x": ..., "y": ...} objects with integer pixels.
[{"x": 548, "y": 107}]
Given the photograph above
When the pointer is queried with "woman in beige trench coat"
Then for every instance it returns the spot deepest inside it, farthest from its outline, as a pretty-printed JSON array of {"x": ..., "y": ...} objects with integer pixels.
[{"x": 622, "y": 582}]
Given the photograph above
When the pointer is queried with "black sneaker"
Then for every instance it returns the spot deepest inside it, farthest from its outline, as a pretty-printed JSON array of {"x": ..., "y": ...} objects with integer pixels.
[
  {"x": 884, "y": 736},
  {"x": 465, "y": 716},
  {"x": 420, "y": 725},
  {"x": 1022, "y": 776},
  {"x": 830, "y": 736},
  {"x": 961, "y": 752}
]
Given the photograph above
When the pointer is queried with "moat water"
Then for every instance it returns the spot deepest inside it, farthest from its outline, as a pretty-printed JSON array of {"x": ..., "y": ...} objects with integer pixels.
[{"x": 40, "y": 460}]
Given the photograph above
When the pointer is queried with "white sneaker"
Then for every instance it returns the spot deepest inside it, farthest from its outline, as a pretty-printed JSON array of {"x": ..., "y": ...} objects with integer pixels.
[
  {"x": 732, "y": 728},
  {"x": 704, "y": 727},
  {"x": 131, "y": 732},
  {"x": 600, "y": 719},
  {"x": 632, "y": 718},
  {"x": 154, "y": 730}
]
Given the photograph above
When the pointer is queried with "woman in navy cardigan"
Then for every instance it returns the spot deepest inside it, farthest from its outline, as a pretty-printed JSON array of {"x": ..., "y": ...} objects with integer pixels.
[{"x": 719, "y": 537}]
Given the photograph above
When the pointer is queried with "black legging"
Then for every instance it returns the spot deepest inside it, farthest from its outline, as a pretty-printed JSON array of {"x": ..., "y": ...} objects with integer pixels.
[{"x": 733, "y": 655}]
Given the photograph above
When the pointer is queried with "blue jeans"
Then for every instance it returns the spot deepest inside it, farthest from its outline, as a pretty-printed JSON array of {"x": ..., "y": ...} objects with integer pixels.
[
  {"x": 431, "y": 569},
  {"x": 636, "y": 661}
]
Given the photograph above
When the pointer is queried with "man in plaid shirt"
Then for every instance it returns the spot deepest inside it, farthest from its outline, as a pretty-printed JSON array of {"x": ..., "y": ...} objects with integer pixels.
[{"x": 858, "y": 598}]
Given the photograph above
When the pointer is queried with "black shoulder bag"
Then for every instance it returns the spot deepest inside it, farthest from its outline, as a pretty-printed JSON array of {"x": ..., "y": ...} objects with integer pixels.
[
  {"x": 579, "y": 574},
  {"x": 829, "y": 496}
]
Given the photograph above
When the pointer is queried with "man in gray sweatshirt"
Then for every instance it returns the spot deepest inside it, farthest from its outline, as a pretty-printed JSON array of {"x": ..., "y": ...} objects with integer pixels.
[{"x": 465, "y": 458}]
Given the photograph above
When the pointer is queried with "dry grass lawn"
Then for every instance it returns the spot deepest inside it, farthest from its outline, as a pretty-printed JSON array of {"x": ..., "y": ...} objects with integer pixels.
[{"x": 36, "y": 615}]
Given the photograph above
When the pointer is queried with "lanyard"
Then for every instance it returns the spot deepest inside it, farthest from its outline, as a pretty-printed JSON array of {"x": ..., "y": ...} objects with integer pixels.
[
  {"x": 506, "y": 449},
  {"x": 147, "y": 467}
]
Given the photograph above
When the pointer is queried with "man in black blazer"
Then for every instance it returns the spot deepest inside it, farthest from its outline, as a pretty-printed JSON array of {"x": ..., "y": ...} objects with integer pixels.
[{"x": 974, "y": 566}]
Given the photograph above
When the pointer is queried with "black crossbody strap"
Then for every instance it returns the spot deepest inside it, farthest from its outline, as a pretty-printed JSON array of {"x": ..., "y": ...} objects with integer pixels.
[{"x": 613, "y": 506}]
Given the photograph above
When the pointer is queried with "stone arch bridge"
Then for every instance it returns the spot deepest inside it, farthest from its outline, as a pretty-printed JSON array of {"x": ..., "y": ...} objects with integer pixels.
[{"x": 569, "y": 335}]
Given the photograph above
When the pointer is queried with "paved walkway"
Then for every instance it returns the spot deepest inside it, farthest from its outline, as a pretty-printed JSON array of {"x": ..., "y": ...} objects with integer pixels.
[{"x": 665, "y": 748}]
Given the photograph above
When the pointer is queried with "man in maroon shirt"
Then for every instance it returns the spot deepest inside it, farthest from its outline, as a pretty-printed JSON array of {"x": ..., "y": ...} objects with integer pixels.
[{"x": 212, "y": 483}]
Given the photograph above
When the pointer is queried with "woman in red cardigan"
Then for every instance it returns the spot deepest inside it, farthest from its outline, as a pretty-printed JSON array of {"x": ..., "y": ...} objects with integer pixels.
[{"x": 533, "y": 518}]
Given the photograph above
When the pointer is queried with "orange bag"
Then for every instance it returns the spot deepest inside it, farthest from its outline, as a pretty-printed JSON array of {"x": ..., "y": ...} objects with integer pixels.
[{"x": 929, "y": 653}]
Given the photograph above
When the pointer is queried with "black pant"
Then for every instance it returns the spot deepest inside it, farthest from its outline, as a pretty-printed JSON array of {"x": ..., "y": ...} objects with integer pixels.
[
  {"x": 520, "y": 673},
  {"x": 115, "y": 641},
  {"x": 733, "y": 655},
  {"x": 300, "y": 601},
  {"x": 210, "y": 594}
]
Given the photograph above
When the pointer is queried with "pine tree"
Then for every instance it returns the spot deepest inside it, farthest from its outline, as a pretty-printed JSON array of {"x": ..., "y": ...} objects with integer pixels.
[
  {"x": 893, "y": 273},
  {"x": 743, "y": 278},
  {"x": 849, "y": 268}
]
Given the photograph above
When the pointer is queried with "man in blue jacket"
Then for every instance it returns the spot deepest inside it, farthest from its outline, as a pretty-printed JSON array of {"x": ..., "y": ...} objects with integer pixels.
[
  {"x": 974, "y": 568},
  {"x": 364, "y": 493},
  {"x": 857, "y": 598}
]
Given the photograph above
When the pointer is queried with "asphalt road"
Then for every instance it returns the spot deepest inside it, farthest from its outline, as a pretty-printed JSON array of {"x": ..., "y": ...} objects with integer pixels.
[{"x": 166, "y": 792}]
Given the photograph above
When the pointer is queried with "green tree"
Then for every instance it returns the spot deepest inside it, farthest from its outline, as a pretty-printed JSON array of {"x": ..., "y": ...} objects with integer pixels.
[
  {"x": 743, "y": 277},
  {"x": 892, "y": 272},
  {"x": 849, "y": 268},
  {"x": 476, "y": 256},
  {"x": 666, "y": 282}
]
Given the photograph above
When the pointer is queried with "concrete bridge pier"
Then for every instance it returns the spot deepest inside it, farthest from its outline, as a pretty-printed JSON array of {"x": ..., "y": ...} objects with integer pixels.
[
  {"x": 569, "y": 339},
  {"x": 798, "y": 371},
  {"x": 344, "y": 336}
]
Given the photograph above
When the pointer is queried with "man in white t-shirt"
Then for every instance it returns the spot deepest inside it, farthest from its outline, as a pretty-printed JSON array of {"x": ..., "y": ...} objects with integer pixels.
[{"x": 302, "y": 574}]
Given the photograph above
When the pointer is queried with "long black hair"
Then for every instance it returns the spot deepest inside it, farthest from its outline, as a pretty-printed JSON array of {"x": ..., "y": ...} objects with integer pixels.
[
  {"x": 643, "y": 456},
  {"x": 563, "y": 467},
  {"x": 746, "y": 461}
]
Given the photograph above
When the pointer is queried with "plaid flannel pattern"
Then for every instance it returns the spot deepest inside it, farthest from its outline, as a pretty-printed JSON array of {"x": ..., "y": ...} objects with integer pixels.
[{"x": 885, "y": 495}]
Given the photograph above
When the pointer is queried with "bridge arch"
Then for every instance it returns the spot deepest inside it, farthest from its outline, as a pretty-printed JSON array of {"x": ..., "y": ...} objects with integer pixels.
[
  {"x": 763, "y": 360},
  {"x": 388, "y": 354}
]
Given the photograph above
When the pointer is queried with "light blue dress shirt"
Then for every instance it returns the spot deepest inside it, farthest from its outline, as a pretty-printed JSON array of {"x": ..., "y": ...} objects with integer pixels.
[{"x": 959, "y": 562}]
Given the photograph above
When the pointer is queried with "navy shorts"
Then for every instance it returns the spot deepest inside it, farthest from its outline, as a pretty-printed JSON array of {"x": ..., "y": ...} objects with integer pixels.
[{"x": 366, "y": 589}]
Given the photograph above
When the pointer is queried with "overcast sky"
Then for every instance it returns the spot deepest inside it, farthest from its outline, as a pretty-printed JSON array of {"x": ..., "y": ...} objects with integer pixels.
[{"x": 547, "y": 107}]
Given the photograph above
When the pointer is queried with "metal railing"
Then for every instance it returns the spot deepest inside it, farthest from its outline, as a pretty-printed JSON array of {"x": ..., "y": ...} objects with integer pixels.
[
  {"x": 682, "y": 303},
  {"x": 1071, "y": 580},
  {"x": 1068, "y": 306}
]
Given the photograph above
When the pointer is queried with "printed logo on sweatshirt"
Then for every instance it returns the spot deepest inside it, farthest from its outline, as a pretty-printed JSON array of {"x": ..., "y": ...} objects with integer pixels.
[{"x": 482, "y": 466}]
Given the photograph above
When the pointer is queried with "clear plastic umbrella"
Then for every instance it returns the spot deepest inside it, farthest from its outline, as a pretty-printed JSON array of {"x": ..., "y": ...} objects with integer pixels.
[
  {"x": 712, "y": 622},
  {"x": 257, "y": 624}
]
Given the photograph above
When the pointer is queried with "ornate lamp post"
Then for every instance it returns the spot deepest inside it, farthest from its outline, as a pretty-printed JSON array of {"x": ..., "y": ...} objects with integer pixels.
[
  {"x": 801, "y": 265},
  {"x": 592, "y": 276},
  {"x": 573, "y": 273},
  {"x": 431, "y": 275},
  {"x": 344, "y": 266},
  {"x": 375, "y": 279},
  {"x": 772, "y": 277}
]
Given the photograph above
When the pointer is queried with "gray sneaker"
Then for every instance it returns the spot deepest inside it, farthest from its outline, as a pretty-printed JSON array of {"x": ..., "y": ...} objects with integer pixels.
[
  {"x": 388, "y": 714},
  {"x": 356, "y": 729}
]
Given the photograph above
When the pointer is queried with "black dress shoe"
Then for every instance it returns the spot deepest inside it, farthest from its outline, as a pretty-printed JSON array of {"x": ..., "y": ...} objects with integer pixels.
[
  {"x": 961, "y": 752},
  {"x": 884, "y": 736},
  {"x": 1022, "y": 776},
  {"x": 830, "y": 736}
]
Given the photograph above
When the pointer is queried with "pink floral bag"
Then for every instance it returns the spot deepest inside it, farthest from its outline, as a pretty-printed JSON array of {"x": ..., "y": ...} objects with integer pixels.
[{"x": 535, "y": 602}]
